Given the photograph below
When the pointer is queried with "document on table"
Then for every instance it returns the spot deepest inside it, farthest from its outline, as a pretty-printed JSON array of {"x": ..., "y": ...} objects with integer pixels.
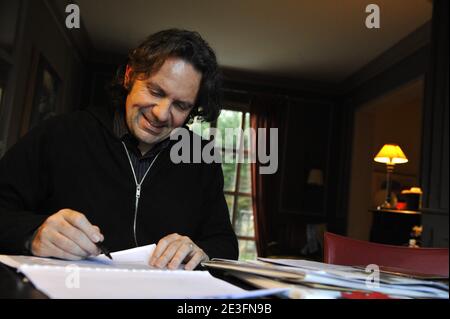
[
  {"x": 291, "y": 273},
  {"x": 128, "y": 275},
  {"x": 135, "y": 258},
  {"x": 353, "y": 272},
  {"x": 294, "y": 292}
]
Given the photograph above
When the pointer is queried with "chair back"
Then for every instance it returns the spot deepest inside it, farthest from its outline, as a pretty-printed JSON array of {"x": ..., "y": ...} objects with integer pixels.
[{"x": 341, "y": 250}]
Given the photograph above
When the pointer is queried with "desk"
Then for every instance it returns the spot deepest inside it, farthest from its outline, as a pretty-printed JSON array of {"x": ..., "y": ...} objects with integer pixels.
[
  {"x": 14, "y": 286},
  {"x": 393, "y": 227}
]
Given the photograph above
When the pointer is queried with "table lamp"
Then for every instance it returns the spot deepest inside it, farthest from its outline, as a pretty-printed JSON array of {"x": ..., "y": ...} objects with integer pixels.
[
  {"x": 315, "y": 177},
  {"x": 390, "y": 154}
]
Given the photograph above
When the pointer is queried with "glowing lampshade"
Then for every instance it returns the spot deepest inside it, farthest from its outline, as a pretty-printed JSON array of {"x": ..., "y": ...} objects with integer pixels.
[{"x": 391, "y": 154}]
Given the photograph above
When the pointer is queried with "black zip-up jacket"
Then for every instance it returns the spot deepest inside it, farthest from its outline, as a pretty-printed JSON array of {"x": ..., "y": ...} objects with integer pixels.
[{"x": 75, "y": 161}]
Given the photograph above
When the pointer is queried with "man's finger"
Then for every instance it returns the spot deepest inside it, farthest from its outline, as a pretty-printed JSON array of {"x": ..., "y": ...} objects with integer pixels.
[
  {"x": 198, "y": 257},
  {"x": 80, "y": 221},
  {"x": 66, "y": 244},
  {"x": 168, "y": 254},
  {"x": 55, "y": 251},
  {"x": 78, "y": 237},
  {"x": 161, "y": 247},
  {"x": 185, "y": 249}
]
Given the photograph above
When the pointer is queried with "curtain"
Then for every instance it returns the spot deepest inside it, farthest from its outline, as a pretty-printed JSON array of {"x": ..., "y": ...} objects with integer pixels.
[
  {"x": 435, "y": 137},
  {"x": 265, "y": 112}
]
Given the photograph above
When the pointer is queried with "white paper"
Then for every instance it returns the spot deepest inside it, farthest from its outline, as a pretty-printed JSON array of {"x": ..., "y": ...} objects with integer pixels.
[
  {"x": 134, "y": 258},
  {"x": 88, "y": 283},
  {"x": 128, "y": 275},
  {"x": 138, "y": 255}
]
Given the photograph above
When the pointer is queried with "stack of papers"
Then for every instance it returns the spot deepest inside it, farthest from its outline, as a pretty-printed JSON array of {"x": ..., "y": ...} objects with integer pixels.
[
  {"x": 307, "y": 279},
  {"x": 128, "y": 275}
]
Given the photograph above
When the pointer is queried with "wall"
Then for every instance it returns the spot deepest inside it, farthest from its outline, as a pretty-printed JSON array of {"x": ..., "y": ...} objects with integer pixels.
[
  {"x": 400, "y": 122},
  {"x": 359, "y": 219},
  {"x": 395, "y": 117},
  {"x": 40, "y": 29},
  {"x": 399, "y": 66}
]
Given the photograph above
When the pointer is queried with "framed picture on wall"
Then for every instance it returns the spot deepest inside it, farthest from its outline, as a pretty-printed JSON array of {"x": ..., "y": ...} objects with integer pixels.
[{"x": 43, "y": 93}]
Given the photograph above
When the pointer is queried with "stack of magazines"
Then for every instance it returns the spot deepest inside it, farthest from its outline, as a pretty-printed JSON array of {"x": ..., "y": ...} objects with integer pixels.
[{"x": 313, "y": 280}]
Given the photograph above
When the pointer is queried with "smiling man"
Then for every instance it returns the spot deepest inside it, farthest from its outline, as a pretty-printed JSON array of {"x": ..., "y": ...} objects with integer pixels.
[
  {"x": 162, "y": 102},
  {"x": 105, "y": 173}
]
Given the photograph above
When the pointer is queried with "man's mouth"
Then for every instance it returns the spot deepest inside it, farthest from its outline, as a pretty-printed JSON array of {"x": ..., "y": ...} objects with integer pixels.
[{"x": 152, "y": 127}]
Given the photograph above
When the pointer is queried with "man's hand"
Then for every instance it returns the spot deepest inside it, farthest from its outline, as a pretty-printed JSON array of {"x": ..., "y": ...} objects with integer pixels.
[
  {"x": 66, "y": 234},
  {"x": 174, "y": 249}
]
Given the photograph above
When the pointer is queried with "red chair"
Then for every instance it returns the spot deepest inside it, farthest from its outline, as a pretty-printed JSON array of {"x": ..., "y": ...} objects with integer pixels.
[{"x": 342, "y": 250}]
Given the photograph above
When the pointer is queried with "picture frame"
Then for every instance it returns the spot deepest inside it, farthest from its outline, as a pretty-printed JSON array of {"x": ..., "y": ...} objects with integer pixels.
[
  {"x": 399, "y": 182},
  {"x": 43, "y": 94}
]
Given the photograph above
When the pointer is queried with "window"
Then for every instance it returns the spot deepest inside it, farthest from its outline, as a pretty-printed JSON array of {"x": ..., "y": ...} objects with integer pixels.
[{"x": 237, "y": 179}]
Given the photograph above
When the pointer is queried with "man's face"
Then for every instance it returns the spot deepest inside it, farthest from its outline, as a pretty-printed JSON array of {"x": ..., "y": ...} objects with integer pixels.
[{"x": 159, "y": 104}]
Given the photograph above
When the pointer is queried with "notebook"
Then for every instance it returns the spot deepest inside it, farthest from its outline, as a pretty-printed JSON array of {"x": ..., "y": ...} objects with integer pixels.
[{"x": 128, "y": 275}]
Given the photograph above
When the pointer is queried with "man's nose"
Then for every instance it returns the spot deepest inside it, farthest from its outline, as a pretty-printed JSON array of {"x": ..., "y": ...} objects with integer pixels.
[{"x": 161, "y": 111}]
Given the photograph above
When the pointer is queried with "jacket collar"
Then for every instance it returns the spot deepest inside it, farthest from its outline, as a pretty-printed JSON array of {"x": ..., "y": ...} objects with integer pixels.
[{"x": 108, "y": 119}]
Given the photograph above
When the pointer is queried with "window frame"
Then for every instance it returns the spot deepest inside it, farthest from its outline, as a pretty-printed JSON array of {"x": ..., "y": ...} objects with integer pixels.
[{"x": 236, "y": 194}]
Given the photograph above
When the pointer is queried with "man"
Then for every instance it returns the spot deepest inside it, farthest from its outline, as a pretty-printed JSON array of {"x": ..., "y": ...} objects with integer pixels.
[{"x": 106, "y": 174}]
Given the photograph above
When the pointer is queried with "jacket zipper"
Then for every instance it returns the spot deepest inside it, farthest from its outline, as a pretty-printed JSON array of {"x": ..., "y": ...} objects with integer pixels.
[{"x": 138, "y": 189}]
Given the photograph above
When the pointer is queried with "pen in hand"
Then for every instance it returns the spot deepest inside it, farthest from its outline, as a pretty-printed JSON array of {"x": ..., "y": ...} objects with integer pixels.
[{"x": 104, "y": 250}]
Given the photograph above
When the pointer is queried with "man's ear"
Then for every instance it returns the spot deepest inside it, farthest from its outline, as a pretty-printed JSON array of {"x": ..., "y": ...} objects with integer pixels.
[{"x": 127, "y": 78}]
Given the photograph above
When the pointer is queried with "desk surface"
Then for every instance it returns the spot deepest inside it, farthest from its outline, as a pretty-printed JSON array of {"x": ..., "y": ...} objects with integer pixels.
[
  {"x": 14, "y": 285},
  {"x": 396, "y": 211}
]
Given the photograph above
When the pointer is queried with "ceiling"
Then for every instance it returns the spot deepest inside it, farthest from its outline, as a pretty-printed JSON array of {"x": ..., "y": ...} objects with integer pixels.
[{"x": 324, "y": 41}]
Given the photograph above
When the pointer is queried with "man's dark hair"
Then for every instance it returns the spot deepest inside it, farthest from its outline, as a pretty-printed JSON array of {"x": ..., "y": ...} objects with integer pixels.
[{"x": 151, "y": 54}]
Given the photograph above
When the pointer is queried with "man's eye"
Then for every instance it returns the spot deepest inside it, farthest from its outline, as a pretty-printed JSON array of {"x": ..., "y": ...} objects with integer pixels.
[
  {"x": 155, "y": 93},
  {"x": 182, "y": 106}
]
